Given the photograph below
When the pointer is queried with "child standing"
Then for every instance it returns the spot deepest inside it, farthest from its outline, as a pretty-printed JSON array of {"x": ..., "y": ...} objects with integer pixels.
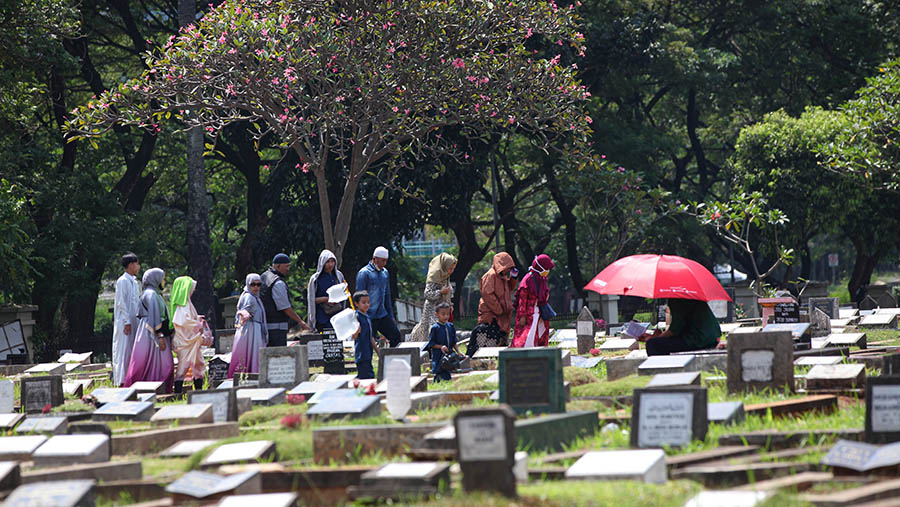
[
  {"x": 365, "y": 341},
  {"x": 441, "y": 340}
]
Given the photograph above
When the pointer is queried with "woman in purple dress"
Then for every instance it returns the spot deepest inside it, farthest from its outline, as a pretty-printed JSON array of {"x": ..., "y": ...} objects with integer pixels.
[
  {"x": 151, "y": 357},
  {"x": 251, "y": 333}
]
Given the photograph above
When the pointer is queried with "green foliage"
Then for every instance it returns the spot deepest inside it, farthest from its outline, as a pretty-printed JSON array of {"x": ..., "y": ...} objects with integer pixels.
[{"x": 16, "y": 270}]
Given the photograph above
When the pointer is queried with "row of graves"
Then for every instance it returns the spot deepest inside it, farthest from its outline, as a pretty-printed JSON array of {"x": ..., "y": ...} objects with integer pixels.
[{"x": 800, "y": 409}]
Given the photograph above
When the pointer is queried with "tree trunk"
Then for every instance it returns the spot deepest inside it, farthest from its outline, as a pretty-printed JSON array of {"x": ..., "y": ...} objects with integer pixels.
[
  {"x": 863, "y": 267},
  {"x": 198, "y": 242},
  {"x": 469, "y": 254}
]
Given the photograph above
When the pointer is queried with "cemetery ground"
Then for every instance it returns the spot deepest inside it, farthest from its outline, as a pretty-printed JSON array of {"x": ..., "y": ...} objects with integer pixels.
[{"x": 784, "y": 435}]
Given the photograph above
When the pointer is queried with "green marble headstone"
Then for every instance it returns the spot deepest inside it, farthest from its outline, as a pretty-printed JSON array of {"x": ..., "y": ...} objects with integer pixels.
[{"x": 532, "y": 380}]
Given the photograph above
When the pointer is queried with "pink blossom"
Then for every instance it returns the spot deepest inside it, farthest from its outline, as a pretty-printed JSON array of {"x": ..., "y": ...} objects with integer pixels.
[
  {"x": 512, "y": 119},
  {"x": 589, "y": 119},
  {"x": 620, "y": 169},
  {"x": 459, "y": 63},
  {"x": 529, "y": 33}
]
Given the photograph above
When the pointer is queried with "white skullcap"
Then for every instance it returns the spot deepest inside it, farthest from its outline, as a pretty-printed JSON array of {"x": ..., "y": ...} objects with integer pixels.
[{"x": 380, "y": 252}]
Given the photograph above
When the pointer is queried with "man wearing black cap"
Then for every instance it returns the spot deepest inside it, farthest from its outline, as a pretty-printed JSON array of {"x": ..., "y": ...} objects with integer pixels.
[{"x": 277, "y": 303}]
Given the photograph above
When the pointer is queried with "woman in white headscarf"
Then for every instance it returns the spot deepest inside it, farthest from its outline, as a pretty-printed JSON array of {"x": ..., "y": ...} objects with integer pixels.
[
  {"x": 250, "y": 329},
  {"x": 437, "y": 290},
  {"x": 151, "y": 356},
  {"x": 326, "y": 275}
]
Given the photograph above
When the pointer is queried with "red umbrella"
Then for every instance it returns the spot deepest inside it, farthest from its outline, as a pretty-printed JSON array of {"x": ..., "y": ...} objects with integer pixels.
[{"x": 658, "y": 276}]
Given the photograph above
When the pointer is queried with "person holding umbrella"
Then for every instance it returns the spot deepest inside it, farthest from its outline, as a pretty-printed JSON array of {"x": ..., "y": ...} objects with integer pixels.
[{"x": 693, "y": 327}]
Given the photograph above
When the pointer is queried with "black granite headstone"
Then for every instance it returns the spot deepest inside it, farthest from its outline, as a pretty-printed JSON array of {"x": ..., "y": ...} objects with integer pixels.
[
  {"x": 38, "y": 392},
  {"x": 333, "y": 355}
]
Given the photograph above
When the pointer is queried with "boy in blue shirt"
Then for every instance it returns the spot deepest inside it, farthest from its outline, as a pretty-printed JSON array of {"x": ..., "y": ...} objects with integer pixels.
[
  {"x": 365, "y": 341},
  {"x": 441, "y": 340}
]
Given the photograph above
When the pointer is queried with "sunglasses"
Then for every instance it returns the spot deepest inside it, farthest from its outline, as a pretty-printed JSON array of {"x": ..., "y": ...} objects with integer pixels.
[{"x": 256, "y": 284}]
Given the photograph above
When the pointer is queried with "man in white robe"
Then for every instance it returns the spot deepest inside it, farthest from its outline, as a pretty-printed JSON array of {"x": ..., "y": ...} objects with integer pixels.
[{"x": 128, "y": 293}]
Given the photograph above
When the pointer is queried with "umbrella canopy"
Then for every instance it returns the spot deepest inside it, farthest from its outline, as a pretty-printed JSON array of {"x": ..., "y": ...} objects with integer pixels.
[{"x": 658, "y": 276}]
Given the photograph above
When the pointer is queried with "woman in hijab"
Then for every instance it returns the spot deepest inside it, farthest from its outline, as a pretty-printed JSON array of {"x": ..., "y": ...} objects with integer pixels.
[
  {"x": 151, "y": 356},
  {"x": 251, "y": 333},
  {"x": 495, "y": 306},
  {"x": 533, "y": 314},
  {"x": 326, "y": 275},
  {"x": 437, "y": 290},
  {"x": 189, "y": 337}
]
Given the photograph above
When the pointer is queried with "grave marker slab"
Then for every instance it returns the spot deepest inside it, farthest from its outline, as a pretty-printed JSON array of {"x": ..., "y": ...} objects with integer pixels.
[
  {"x": 488, "y": 353},
  {"x": 836, "y": 376},
  {"x": 578, "y": 362},
  {"x": 819, "y": 323},
  {"x": 124, "y": 410},
  {"x": 584, "y": 327},
  {"x": 666, "y": 364},
  {"x": 337, "y": 393},
  {"x": 862, "y": 457},
  {"x": 647, "y": 465},
  {"x": 725, "y": 412},
  {"x": 308, "y": 388},
  {"x": 814, "y": 360},
  {"x": 613, "y": 344},
  {"x": 72, "y": 450},
  {"x": 217, "y": 368},
  {"x": 668, "y": 416},
  {"x": 20, "y": 448},
  {"x": 338, "y": 408},
  {"x": 333, "y": 355},
  {"x": 223, "y": 401},
  {"x": 846, "y": 340},
  {"x": 398, "y": 375},
  {"x": 879, "y": 321},
  {"x": 883, "y": 409},
  {"x": 194, "y": 413},
  {"x": 242, "y": 452},
  {"x": 689, "y": 378},
  {"x": 798, "y": 330},
  {"x": 731, "y": 498},
  {"x": 52, "y": 425},
  {"x": 80, "y": 428},
  {"x": 186, "y": 448},
  {"x": 786, "y": 312},
  {"x": 485, "y": 449},
  {"x": 71, "y": 357},
  {"x": 47, "y": 369},
  {"x": 759, "y": 361},
  {"x": 77, "y": 493},
  {"x": 266, "y": 499},
  {"x": 532, "y": 380},
  {"x": 149, "y": 387},
  {"x": 283, "y": 366},
  {"x": 105, "y": 395},
  {"x": 886, "y": 300},
  {"x": 399, "y": 480},
  {"x": 201, "y": 485},
  {"x": 10, "y": 475},
  {"x": 7, "y": 396},
  {"x": 265, "y": 397},
  {"x": 410, "y": 354},
  {"x": 9, "y": 421},
  {"x": 831, "y": 306},
  {"x": 847, "y": 313},
  {"x": 38, "y": 392},
  {"x": 74, "y": 389}
]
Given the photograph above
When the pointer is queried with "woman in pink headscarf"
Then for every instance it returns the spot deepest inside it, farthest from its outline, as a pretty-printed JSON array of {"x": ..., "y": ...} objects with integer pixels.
[{"x": 532, "y": 311}]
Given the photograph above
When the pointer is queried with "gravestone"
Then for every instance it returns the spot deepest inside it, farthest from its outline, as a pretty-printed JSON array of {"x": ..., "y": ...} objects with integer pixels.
[
  {"x": 74, "y": 389},
  {"x": 689, "y": 378},
  {"x": 148, "y": 397},
  {"x": 310, "y": 388},
  {"x": 283, "y": 366},
  {"x": 863, "y": 457},
  {"x": 786, "y": 312},
  {"x": 52, "y": 425},
  {"x": 799, "y": 331},
  {"x": 10, "y": 475},
  {"x": 831, "y": 306},
  {"x": 648, "y": 465},
  {"x": 661, "y": 314},
  {"x": 338, "y": 408},
  {"x": 401, "y": 480},
  {"x": 814, "y": 360},
  {"x": 671, "y": 417},
  {"x": 186, "y": 448},
  {"x": 105, "y": 395},
  {"x": 47, "y": 369},
  {"x": 666, "y": 364},
  {"x": 124, "y": 410},
  {"x": 207, "y": 487},
  {"x": 846, "y": 340},
  {"x": 722, "y": 309},
  {"x": 883, "y": 409},
  {"x": 149, "y": 387},
  {"x": 819, "y": 323},
  {"x": 411, "y": 355},
  {"x": 194, "y": 413},
  {"x": 10, "y": 420},
  {"x": 217, "y": 368},
  {"x": 81, "y": 428},
  {"x": 266, "y": 499},
  {"x": 725, "y": 412},
  {"x": 314, "y": 350},
  {"x": 532, "y": 380},
  {"x": 836, "y": 376},
  {"x": 20, "y": 448},
  {"x": 333, "y": 394},
  {"x": 879, "y": 321},
  {"x": 7, "y": 396},
  {"x": 730, "y": 498},
  {"x": 783, "y": 303},
  {"x": 71, "y": 357},
  {"x": 75, "y": 493},
  {"x": 398, "y": 388},
  {"x": 62, "y": 450},
  {"x": 760, "y": 361},
  {"x": 584, "y": 327},
  {"x": 242, "y": 452},
  {"x": 265, "y": 397},
  {"x": 38, "y": 392},
  {"x": 613, "y": 344},
  {"x": 485, "y": 448},
  {"x": 848, "y": 313},
  {"x": 886, "y": 300},
  {"x": 333, "y": 355},
  {"x": 223, "y": 401},
  {"x": 579, "y": 362},
  {"x": 868, "y": 303}
]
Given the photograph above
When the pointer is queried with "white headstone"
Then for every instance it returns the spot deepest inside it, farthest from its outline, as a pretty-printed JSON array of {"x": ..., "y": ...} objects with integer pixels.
[
  {"x": 482, "y": 438},
  {"x": 397, "y": 374},
  {"x": 665, "y": 419},
  {"x": 282, "y": 370},
  {"x": 647, "y": 465},
  {"x": 6, "y": 396},
  {"x": 756, "y": 365},
  {"x": 885, "y": 408}
]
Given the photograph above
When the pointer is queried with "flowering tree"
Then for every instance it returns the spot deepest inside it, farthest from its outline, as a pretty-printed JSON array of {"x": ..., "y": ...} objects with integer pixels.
[{"x": 358, "y": 81}]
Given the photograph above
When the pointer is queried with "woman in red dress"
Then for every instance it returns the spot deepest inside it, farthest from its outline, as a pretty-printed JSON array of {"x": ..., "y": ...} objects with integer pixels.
[{"x": 532, "y": 330}]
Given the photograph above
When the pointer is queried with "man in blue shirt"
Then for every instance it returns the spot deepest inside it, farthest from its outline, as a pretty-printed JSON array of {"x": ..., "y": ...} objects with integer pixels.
[{"x": 374, "y": 279}]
